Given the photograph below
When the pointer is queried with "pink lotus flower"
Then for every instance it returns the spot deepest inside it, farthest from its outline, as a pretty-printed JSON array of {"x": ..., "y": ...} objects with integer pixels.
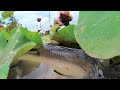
[{"x": 38, "y": 19}]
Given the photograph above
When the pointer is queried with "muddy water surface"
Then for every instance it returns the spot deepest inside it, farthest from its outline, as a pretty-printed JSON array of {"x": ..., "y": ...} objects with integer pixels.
[{"x": 33, "y": 66}]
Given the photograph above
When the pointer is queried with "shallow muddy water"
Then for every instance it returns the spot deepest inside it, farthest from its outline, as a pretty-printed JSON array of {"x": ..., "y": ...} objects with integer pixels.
[{"x": 47, "y": 65}]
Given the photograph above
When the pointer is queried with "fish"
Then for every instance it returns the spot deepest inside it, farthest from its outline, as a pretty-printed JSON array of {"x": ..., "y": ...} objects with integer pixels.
[
  {"x": 65, "y": 61},
  {"x": 44, "y": 71}
]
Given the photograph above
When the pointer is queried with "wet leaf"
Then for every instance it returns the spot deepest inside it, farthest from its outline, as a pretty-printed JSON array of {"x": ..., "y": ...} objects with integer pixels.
[
  {"x": 3, "y": 42},
  {"x": 34, "y": 36},
  {"x": 18, "y": 44},
  {"x": 13, "y": 31},
  {"x": 53, "y": 30},
  {"x": 98, "y": 33},
  {"x": 6, "y": 34},
  {"x": 65, "y": 36}
]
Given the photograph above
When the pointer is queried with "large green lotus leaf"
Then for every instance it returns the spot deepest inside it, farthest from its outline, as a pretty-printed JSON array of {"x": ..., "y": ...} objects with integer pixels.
[
  {"x": 53, "y": 30},
  {"x": 34, "y": 36},
  {"x": 17, "y": 45},
  {"x": 98, "y": 33},
  {"x": 6, "y": 34},
  {"x": 13, "y": 31},
  {"x": 3, "y": 42},
  {"x": 65, "y": 36}
]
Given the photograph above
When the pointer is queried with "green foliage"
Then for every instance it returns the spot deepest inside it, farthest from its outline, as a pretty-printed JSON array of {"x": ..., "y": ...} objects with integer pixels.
[
  {"x": 12, "y": 24},
  {"x": 65, "y": 36},
  {"x": 53, "y": 30},
  {"x": 6, "y": 34},
  {"x": 33, "y": 36},
  {"x": 13, "y": 31},
  {"x": 19, "y": 43},
  {"x": 3, "y": 42},
  {"x": 7, "y": 14},
  {"x": 12, "y": 20},
  {"x": 98, "y": 33}
]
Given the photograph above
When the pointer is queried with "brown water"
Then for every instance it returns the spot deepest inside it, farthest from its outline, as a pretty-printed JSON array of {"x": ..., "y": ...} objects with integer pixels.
[
  {"x": 29, "y": 67},
  {"x": 33, "y": 66}
]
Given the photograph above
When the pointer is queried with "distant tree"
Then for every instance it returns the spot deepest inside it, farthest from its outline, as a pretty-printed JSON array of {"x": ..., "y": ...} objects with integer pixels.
[
  {"x": 12, "y": 20},
  {"x": 7, "y": 14},
  {"x": 1, "y": 24},
  {"x": 12, "y": 24}
]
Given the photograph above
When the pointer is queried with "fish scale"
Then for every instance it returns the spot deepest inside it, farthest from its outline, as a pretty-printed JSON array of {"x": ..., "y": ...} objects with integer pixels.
[{"x": 74, "y": 63}]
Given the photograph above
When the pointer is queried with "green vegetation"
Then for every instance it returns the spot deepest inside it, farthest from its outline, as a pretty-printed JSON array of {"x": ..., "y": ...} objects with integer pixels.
[
  {"x": 18, "y": 44},
  {"x": 64, "y": 36},
  {"x": 98, "y": 33}
]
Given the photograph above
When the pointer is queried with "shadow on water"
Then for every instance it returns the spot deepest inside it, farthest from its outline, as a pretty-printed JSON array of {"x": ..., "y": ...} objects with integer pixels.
[{"x": 71, "y": 64}]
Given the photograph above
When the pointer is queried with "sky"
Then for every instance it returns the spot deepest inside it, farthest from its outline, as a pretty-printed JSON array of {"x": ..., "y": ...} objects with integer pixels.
[{"x": 29, "y": 19}]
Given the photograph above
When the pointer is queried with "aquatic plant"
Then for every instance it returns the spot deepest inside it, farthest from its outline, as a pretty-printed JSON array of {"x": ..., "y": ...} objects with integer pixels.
[
  {"x": 20, "y": 42},
  {"x": 64, "y": 36},
  {"x": 98, "y": 33}
]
